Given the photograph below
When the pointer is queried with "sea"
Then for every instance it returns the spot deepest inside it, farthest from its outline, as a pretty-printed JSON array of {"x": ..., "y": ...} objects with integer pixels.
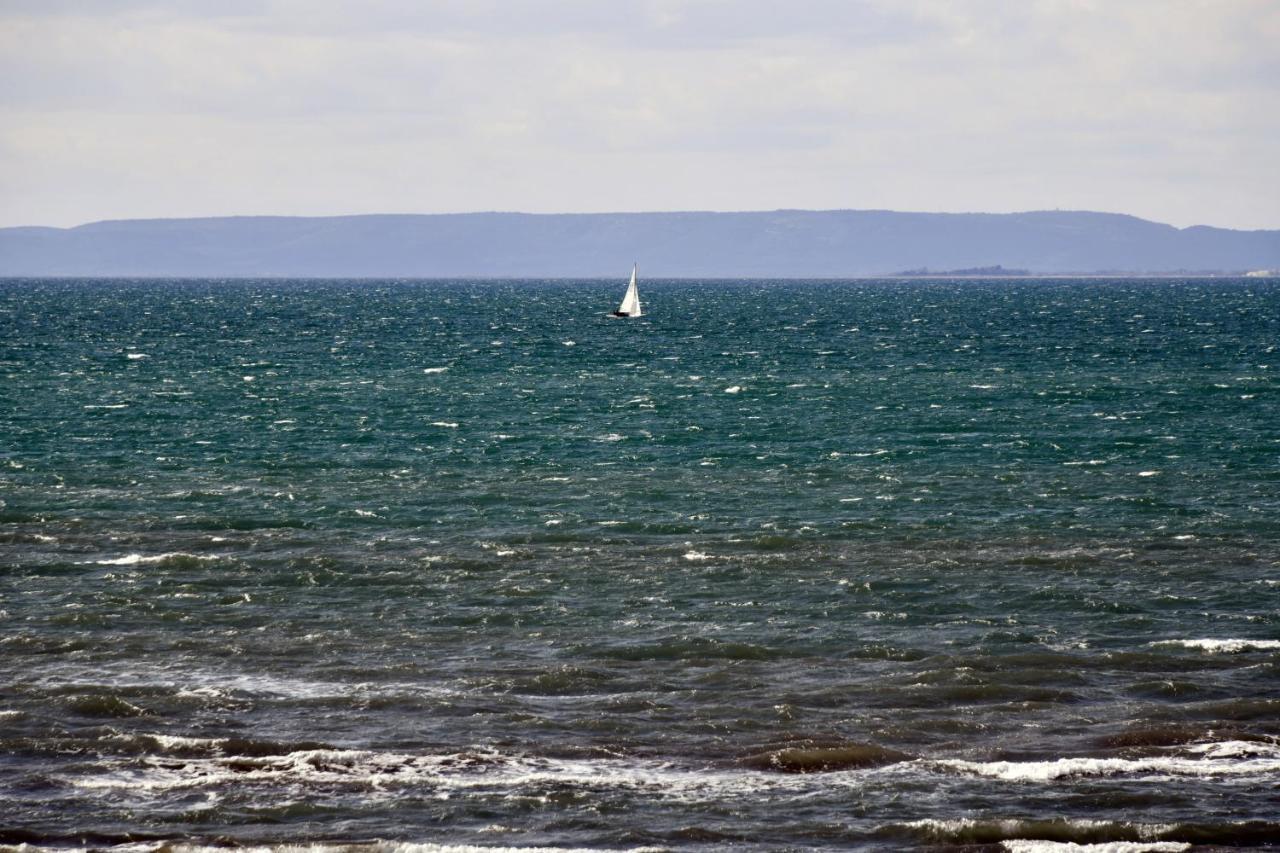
[{"x": 781, "y": 565}]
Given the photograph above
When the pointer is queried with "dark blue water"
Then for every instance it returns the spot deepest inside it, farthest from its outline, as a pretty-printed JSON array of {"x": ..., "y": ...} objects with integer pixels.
[{"x": 780, "y": 565}]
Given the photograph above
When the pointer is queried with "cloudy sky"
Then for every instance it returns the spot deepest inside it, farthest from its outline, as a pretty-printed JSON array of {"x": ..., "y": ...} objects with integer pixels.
[{"x": 1167, "y": 109}]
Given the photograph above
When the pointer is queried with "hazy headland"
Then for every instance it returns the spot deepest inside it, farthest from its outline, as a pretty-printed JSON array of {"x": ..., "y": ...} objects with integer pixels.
[{"x": 764, "y": 244}]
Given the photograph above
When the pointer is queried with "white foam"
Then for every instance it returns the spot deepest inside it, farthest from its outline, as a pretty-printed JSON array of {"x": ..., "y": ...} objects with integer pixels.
[
  {"x": 175, "y": 741},
  {"x": 445, "y": 424},
  {"x": 485, "y": 772},
  {"x": 1153, "y": 767},
  {"x": 1037, "y": 846},
  {"x": 399, "y": 847},
  {"x": 733, "y": 389},
  {"x": 127, "y": 560},
  {"x": 134, "y": 356},
  {"x": 1235, "y": 749},
  {"x": 434, "y": 369},
  {"x": 1148, "y": 832},
  {"x": 135, "y": 559},
  {"x": 445, "y": 774},
  {"x": 1030, "y": 846},
  {"x": 696, "y": 556},
  {"x": 1215, "y": 647}
]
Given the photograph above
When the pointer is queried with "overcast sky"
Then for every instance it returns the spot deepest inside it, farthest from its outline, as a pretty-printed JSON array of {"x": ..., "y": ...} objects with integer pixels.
[{"x": 1167, "y": 109}]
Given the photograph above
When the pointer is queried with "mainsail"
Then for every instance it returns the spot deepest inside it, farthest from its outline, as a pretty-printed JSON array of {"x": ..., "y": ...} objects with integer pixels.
[{"x": 630, "y": 306}]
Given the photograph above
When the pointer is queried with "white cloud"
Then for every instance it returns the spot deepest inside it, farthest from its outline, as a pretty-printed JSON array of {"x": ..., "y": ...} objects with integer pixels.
[{"x": 1169, "y": 109}]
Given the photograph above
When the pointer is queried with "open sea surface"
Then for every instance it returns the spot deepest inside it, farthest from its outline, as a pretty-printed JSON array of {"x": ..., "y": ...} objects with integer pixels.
[{"x": 780, "y": 565}]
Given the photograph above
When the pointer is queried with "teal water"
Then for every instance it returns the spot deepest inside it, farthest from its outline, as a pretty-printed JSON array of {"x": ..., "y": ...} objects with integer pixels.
[{"x": 779, "y": 565}]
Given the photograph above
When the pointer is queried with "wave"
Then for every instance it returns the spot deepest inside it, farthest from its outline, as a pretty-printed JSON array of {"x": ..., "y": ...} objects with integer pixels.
[
  {"x": 811, "y": 758},
  {"x": 172, "y": 559},
  {"x": 1230, "y": 758},
  {"x": 1012, "y": 845},
  {"x": 182, "y": 746},
  {"x": 451, "y": 772},
  {"x": 105, "y": 705},
  {"x": 1082, "y": 830},
  {"x": 157, "y": 845},
  {"x": 1026, "y": 846},
  {"x": 170, "y": 762},
  {"x": 1217, "y": 647},
  {"x": 1100, "y": 836}
]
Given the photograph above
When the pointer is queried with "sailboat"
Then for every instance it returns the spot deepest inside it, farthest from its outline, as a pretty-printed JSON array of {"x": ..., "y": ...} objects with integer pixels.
[{"x": 630, "y": 306}]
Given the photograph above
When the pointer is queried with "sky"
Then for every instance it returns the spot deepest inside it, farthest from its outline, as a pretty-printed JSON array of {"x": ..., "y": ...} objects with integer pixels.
[{"x": 115, "y": 109}]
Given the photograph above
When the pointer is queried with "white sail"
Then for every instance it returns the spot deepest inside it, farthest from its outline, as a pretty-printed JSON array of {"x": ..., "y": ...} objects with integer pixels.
[{"x": 630, "y": 306}]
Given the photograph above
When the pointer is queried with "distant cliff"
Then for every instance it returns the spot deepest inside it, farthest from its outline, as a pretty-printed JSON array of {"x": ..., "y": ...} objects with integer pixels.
[{"x": 782, "y": 243}]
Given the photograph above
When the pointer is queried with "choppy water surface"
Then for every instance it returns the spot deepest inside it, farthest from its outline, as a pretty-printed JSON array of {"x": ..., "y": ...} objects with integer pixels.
[{"x": 785, "y": 564}]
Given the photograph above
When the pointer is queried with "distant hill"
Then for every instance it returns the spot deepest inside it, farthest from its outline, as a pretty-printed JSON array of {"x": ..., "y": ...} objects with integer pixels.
[{"x": 781, "y": 243}]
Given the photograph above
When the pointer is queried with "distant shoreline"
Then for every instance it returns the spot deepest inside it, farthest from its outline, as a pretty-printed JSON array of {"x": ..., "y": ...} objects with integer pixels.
[{"x": 801, "y": 244}]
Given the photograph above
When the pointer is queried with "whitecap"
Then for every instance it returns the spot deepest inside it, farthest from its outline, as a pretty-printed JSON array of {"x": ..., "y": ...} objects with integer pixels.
[
  {"x": 1068, "y": 768},
  {"x": 1215, "y": 647},
  {"x": 1038, "y": 846},
  {"x": 445, "y": 424},
  {"x": 696, "y": 556},
  {"x": 446, "y": 773},
  {"x": 390, "y": 847},
  {"x": 1235, "y": 749},
  {"x": 1150, "y": 832},
  {"x": 135, "y": 559},
  {"x": 434, "y": 369},
  {"x": 733, "y": 389}
]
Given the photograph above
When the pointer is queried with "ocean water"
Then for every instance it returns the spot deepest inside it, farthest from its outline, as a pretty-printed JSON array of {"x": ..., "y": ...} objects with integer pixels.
[{"x": 781, "y": 565}]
